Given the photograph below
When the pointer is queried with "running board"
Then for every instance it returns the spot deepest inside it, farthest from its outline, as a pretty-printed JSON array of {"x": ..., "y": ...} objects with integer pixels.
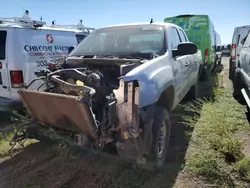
[{"x": 245, "y": 92}]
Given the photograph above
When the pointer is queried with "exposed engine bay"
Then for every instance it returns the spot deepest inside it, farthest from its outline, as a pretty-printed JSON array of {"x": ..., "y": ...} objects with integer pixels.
[{"x": 88, "y": 101}]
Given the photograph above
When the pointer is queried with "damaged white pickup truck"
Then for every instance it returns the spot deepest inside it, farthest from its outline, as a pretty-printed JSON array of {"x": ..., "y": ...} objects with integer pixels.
[{"x": 117, "y": 88}]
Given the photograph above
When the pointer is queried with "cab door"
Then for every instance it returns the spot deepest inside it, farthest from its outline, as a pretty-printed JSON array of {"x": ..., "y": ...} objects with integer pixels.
[
  {"x": 244, "y": 60},
  {"x": 192, "y": 62},
  {"x": 180, "y": 66},
  {"x": 4, "y": 75}
]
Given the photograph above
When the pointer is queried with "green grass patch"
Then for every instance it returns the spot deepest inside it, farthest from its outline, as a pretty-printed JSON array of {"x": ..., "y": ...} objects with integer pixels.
[
  {"x": 5, "y": 139},
  {"x": 215, "y": 153},
  {"x": 243, "y": 168}
]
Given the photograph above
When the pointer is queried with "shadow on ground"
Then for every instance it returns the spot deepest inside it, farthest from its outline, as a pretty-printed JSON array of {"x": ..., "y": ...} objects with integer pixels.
[
  {"x": 5, "y": 121},
  {"x": 219, "y": 68},
  {"x": 42, "y": 165}
]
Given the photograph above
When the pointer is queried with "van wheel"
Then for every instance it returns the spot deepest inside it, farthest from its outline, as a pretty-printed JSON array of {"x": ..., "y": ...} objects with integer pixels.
[
  {"x": 161, "y": 133},
  {"x": 237, "y": 86},
  {"x": 206, "y": 88}
]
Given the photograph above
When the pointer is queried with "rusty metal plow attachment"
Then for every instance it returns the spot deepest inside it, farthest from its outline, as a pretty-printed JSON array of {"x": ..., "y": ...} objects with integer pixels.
[{"x": 58, "y": 110}]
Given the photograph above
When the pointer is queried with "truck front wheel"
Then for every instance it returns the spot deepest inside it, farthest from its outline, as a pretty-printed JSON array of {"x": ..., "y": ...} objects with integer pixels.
[{"x": 161, "y": 134}]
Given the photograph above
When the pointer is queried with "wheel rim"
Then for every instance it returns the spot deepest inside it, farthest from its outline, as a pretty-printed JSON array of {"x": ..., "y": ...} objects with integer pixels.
[{"x": 162, "y": 140}]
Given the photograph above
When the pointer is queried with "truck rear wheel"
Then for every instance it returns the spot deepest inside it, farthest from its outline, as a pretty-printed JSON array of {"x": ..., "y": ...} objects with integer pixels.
[
  {"x": 161, "y": 134},
  {"x": 194, "y": 91},
  {"x": 237, "y": 86},
  {"x": 206, "y": 87},
  {"x": 219, "y": 62}
]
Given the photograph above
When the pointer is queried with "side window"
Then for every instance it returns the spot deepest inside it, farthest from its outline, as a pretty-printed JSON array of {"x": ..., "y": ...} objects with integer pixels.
[
  {"x": 243, "y": 40},
  {"x": 175, "y": 38},
  {"x": 247, "y": 41},
  {"x": 80, "y": 37},
  {"x": 238, "y": 40},
  {"x": 183, "y": 36},
  {"x": 3, "y": 35}
]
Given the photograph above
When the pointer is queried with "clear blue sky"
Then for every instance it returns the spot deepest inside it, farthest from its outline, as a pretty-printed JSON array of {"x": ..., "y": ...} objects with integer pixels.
[{"x": 225, "y": 14}]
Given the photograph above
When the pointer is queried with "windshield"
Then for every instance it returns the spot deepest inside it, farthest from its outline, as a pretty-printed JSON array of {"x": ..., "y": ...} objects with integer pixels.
[{"x": 123, "y": 40}]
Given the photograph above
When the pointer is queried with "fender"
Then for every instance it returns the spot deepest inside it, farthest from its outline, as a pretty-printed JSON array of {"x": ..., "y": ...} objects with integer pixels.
[{"x": 154, "y": 77}]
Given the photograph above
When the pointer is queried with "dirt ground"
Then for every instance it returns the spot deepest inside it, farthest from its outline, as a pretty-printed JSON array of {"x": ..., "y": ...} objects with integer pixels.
[{"x": 44, "y": 165}]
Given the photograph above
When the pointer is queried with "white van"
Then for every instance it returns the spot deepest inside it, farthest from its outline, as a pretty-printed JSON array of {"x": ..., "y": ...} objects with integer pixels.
[
  {"x": 239, "y": 35},
  {"x": 27, "y": 46}
]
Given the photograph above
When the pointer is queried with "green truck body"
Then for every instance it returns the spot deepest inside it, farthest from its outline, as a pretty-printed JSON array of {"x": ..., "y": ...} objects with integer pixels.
[{"x": 200, "y": 30}]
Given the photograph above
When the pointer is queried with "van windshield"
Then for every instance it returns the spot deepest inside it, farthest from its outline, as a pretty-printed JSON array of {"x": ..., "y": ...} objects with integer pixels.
[{"x": 123, "y": 40}]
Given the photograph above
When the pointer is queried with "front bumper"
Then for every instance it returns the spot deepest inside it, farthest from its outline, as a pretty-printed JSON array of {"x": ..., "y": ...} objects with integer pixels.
[{"x": 62, "y": 111}]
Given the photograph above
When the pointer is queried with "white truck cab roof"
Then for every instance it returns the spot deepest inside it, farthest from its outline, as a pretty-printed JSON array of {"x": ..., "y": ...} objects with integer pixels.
[{"x": 144, "y": 23}]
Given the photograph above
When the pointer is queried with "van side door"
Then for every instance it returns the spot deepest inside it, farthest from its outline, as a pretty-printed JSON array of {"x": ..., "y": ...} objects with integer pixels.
[{"x": 4, "y": 75}]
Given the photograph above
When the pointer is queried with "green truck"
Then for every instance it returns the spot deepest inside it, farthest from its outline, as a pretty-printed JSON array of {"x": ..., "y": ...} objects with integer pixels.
[{"x": 200, "y": 30}]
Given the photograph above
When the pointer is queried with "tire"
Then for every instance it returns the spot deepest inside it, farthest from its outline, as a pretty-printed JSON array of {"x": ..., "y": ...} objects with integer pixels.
[
  {"x": 194, "y": 92},
  {"x": 206, "y": 87},
  {"x": 160, "y": 140},
  {"x": 219, "y": 62},
  {"x": 237, "y": 86},
  {"x": 231, "y": 71},
  {"x": 248, "y": 113},
  {"x": 215, "y": 65}
]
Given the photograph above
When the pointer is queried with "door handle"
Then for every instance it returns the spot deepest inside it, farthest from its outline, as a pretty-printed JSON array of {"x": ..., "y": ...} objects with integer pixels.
[{"x": 186, "y": 64}]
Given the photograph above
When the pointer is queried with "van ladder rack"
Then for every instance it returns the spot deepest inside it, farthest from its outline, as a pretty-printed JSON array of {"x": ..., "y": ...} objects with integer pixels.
[
  {"x": 25, "y": 20},
  {"x": 79, "y": 26}
]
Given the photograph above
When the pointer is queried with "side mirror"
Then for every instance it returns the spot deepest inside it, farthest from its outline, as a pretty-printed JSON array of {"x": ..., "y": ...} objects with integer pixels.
[
  {"x": 70, "y": 49},
  {"x": 185, "y": 48}
]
